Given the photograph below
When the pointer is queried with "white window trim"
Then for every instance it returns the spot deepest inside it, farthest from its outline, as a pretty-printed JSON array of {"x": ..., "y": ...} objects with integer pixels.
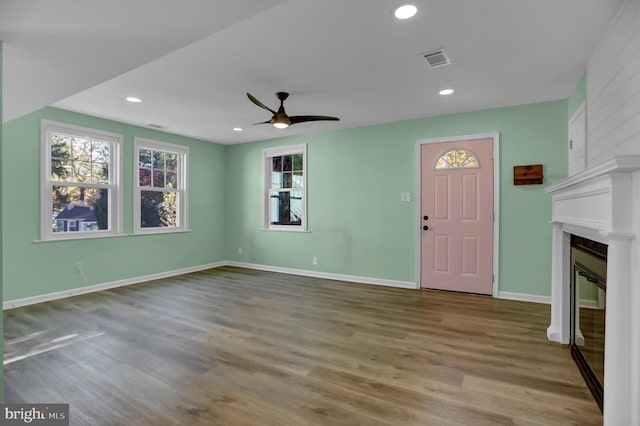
[
  {"x": 115, "y": 172},
  {"x": 183, "y": 173},
  {"x": 266, "y": 186}
]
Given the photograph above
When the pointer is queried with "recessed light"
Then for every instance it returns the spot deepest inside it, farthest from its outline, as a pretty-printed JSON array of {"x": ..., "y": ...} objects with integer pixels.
[
  {"x": 133, "y": 99},
  {"x": 446, "y": 92},
  {"x": 238, "y": 129},
  {"x": 405, "y": 11}
]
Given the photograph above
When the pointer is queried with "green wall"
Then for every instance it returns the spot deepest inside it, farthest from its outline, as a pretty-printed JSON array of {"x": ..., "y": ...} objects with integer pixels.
[
  {"x": 358, "y": 225},
  {"x": 35, "y": 268},
  {"x": 578, "y": 96}
]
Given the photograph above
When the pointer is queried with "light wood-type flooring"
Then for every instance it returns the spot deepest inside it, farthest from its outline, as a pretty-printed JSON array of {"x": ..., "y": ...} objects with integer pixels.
[{"x": 232, "y": 346}]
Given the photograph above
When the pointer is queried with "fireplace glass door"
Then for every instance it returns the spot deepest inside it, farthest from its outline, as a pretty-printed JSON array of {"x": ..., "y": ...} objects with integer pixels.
[{"x": 588, "y": 285}]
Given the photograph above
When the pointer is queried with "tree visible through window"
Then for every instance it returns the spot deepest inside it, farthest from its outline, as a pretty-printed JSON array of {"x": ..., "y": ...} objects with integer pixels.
[
  {"x": 285, "y": 188},
  {"x": 457, "y": 159},
  {"x": 161, "y": 187},
  {"x": 80, "y": 179}
]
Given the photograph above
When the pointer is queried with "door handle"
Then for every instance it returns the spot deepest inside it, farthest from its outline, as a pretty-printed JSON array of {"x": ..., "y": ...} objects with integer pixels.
[
  {"x": 426, "y": 217},
  {"x": 426, "y": 228}
]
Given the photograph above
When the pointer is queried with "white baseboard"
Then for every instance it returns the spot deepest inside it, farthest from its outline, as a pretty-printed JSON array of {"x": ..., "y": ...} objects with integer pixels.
[
  {"x": 16, "y": 303},
  {"x": 326, "y": 275},
  {"x": 524, "y": 297},
  {"x": 105, "y": 286},
  {"x": 554, "y": 334}
]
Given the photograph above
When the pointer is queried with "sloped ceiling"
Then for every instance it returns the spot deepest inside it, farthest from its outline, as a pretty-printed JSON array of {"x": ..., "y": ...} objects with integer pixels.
[{"x": 193, "y": 61}]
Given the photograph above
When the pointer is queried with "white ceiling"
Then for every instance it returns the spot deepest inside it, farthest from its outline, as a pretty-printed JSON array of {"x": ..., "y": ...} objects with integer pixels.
[{"x": 192, "y": 61}]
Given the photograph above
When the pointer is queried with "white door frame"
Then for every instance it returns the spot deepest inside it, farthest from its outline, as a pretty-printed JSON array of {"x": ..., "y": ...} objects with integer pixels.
[
  {"x": 496, "y": 199},
  {"x": 581, "y": 109}
]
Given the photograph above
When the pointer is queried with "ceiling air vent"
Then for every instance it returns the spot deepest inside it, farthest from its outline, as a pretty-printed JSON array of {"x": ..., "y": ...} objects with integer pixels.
[
  {"x": 156, "y": 126},
  {"x": 437, "y": 58}
]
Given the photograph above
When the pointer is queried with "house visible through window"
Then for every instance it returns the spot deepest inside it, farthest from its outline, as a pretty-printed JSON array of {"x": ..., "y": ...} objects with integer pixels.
[
  {"x": 285, "y": 189},
  {"x": 160, "y": 202},
  {"x": 80, "y": 191}
]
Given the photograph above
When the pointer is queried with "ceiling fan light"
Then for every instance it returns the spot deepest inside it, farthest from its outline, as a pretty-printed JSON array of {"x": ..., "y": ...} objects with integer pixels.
[{"x": 280, "y": 121}]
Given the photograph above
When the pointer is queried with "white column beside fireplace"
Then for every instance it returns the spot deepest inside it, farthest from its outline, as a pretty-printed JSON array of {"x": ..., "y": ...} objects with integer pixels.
[{"x": 600, "y": 203}]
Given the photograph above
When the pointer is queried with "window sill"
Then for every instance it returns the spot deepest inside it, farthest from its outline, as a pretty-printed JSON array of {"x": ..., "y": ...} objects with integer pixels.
[
  {"x": 80, "y": 238},
  {"x": 176, "y": 231},
  {"x": 95, "y": 237},
  {"x": 295, "y": 231}
]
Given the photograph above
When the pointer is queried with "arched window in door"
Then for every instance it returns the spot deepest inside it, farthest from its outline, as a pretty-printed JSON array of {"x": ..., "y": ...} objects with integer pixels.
[{"x": 456, "y": 158}]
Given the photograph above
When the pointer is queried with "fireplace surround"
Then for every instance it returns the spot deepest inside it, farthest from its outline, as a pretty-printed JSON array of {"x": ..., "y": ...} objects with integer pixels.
[{"x": 602, "y": 203}]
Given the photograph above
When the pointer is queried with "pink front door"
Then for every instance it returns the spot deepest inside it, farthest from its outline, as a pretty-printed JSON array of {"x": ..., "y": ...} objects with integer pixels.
[{"x": 457, "y": 209}]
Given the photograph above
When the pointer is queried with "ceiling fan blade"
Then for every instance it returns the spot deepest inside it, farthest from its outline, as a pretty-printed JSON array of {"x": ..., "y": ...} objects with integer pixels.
[
  {"x": 260, "y": 104},
  {"x": 263, "y": 122},
  {"x": 302, "y": 118}
]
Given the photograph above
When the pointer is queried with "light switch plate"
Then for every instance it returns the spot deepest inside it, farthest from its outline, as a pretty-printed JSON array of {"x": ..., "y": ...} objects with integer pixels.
[{"x": 406, "y": 197}]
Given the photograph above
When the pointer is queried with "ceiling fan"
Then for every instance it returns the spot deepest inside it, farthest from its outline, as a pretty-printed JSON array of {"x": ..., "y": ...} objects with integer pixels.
[{"x": 280, "y": 118}]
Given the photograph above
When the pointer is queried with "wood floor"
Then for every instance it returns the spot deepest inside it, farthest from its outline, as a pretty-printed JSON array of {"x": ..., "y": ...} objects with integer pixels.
[{"x": 232, "y": 346}]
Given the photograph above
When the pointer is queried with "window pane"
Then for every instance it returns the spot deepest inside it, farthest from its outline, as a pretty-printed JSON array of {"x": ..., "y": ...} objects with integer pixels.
[
  {"x": 79, "y": 159},
  {"x": 100, "y": 173},
  {"x": 81, "y": 171},
  {"x": 296, "y": 208},
  {"x": 171, "y": 161},
  {"x": 286, "y": 208},
  {"x": 81, "y": 149},
  {"x": 287, "y": 163},
  {"x": 158, "y": 178},
  {"x": 158, "y": 209},
  {"x": 276, "y": 180},
  {"x": 276, "y": 164},
  {"x": 100, "y": 152},
  {"x": 297, "y": 162},
  {"x": 60, "y": 147},
  {"x": 171, "y": 179},
  {"x": 144, "y": 177},
  {"x": 298, "y": 180},
  {"x": 79, "y": 209},
  {"x": 158, "y": 159},
  {"x": 457, "y": 159},
  {"x": 286, "y": 180},
  {"x": 61, "y": 170},
  {"x": 144, "y": 158}
]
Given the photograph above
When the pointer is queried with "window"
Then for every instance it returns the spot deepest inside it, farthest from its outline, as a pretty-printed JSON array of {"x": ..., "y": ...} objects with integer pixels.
[
  {"x": 457, "y": 159},
  {"x": 160, "y": 191},
  {"x": 81, "y": 182},
  {"x": 285, "y": 204}
]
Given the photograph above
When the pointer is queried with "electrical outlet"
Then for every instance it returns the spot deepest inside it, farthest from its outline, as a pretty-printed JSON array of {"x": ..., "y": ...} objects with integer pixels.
[
  {"x": 79, "y": 267},
  {"x": 315, "y": 260},
  {"x": 239, "y": 250}
]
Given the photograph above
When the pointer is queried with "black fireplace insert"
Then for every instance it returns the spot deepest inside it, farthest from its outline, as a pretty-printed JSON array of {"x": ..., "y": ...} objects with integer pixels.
[{"x": 588, "y": 311}]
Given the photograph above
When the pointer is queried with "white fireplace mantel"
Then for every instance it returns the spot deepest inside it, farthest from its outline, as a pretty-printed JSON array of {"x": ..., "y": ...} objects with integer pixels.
[{"x": 598, "y": 203}]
